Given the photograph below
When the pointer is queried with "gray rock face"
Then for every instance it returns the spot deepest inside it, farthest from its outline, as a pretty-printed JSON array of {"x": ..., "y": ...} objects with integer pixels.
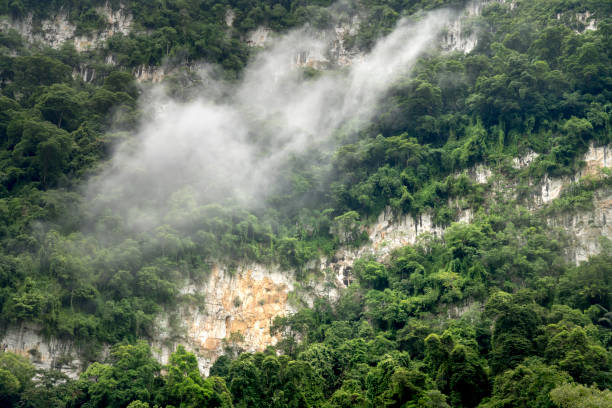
[
  {"x": 45, "y": 353},
  {"x": 461, "y": 34},
  {"x": 323, "y": 49},
  {"x": 58, "y": 29},
  {"x": 585, "y": 228}
]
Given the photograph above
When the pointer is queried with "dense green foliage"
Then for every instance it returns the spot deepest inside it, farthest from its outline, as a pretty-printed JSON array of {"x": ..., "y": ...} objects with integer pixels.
[
  {"x": 386, "y": 339},
  {"x": 180, "y": 31},
  {"x": 535, "y": 332},
  {"x": 380, "y": 345},
  {"x": 132, "y": 377}
]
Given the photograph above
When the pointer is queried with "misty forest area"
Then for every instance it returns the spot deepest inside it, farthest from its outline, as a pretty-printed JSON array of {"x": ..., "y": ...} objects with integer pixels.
[{"x": 306, "y": 203}]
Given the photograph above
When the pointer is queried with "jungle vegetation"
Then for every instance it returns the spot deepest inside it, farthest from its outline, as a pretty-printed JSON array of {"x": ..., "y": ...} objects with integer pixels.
[{"x": 536, "y": 330}]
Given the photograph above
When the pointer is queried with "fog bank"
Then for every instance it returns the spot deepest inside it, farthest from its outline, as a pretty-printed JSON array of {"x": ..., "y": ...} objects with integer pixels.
[{"x": 232, "y": 148}]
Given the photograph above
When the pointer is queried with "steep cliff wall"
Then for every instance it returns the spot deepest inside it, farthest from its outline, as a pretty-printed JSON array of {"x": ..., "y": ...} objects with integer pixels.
[
  {"x": 45, "y": 353},
  {"x": 238, "y": 310},
  {"x": 335, "y": 54},
  {"x": 585, "y": 228},
  {"x": 259, "y": 37},
  {"x": 147, "y": 73},
  {"x": 207, "y": 333},
  {"x": 235, "y": 309},
  {"x": 328, "y": 50},
  {"x": 231, "y": 309},
  {"x": 461, "y": 34},
  {"x": 387, "y": 234},
  {"x": 58, "y": 29},
  {"x": 595, "y": 159}
]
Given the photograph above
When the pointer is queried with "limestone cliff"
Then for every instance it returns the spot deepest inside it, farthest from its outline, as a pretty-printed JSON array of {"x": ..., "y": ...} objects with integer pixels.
[
  {"x": 323, "y": 48},
  {"x": 235, "y": 309},
  {"x": 45, "y": 353},
  {"x": 336, "y": 54},
  {"x": 248, "y": 301},
  {"x": 461, "y": 34},
  {"x": 259, "y": 37},
  {"x": 584, "y": 228},
  {"x": 58, "y": 29},
  {"x": 147, "y": 73},
  {"x": 238, "y": 310},
  {"x": 387, "y": 234}
]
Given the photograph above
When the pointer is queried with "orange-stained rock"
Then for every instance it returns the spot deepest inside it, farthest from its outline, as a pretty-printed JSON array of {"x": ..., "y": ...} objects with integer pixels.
[
  {"x": 239, "y": 308},
  {"x": 211, "y": 344}
]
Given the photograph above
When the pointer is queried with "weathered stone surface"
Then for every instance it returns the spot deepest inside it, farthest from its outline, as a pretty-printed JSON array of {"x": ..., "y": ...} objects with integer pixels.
[
  {"x": 45, "y": 353},
  {"x": 58, "y": 29},
  {"x": 147, "y": 73},
  {"x": 390, "y": 232},
  {"x": 321, "y": 49},
  {"x": 524, "y": 161},
  {"x": 240, "y": 308},
  {"x": 596, "y": 158},
  {"x": 586, "y": 228},
  {"x": 460, "y": 35},
  {"x": 259, "y": 37}
]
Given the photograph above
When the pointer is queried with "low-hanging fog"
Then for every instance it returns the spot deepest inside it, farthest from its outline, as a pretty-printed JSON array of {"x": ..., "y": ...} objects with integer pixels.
[{"x": 233, "y": 147}]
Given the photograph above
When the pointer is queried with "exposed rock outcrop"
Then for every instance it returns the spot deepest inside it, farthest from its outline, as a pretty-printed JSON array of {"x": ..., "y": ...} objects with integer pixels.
[
  {"x": 239, "y": 307},
  {"x": 147, "y": 73},
  {"x": 586, "y": 228},
  {"x": 334, "y": 53},
  {"x": 596, "y": 158},
  {"x": 45, "y": 353},
  {"x": 461, "y": 34},
  {"x": 327, "y": 50},
  {"x": 259, "y": 37},
  {"x": 58, "y": 29},
  {"x": 85, "y": 72},
  {"x": 588, "y": 20},
  {"x": 390, "y": 232},
  {"x": 582, "y": 22},
  {"x": 230, "y": 16},
  {"x": 524, "y": 161},
  {"x": 238, "y": 310}
]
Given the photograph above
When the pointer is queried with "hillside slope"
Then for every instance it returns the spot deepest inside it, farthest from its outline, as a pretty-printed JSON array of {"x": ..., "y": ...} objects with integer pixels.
[{"x": 356, "y": 204}]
